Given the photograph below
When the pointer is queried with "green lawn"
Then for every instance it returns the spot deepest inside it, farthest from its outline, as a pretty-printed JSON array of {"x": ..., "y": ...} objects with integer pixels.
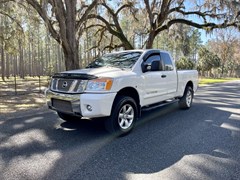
[{"x": 203, "y": 81}]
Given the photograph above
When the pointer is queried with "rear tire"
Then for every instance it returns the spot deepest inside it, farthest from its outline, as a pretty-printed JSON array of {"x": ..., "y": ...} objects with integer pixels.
[
  {"x": 185, "y": 101},
  {"x": 67, "y": 117},
  {"x": 123, "y": 116}
]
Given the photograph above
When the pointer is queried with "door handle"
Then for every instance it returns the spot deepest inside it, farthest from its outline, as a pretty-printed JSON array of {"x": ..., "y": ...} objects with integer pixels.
[{"x": 163, "y": 76}]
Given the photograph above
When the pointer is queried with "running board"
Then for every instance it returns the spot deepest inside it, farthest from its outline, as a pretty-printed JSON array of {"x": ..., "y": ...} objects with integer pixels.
[{"x": 154, "y": 106}]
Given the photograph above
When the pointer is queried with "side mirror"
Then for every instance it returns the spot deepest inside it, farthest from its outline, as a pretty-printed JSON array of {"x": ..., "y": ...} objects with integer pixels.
[
  {"x": 145, "y": 67},
  {"x": 156, "y": 66}
]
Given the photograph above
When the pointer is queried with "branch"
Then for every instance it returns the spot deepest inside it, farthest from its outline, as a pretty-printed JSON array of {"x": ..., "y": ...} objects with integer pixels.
[
  {"x": 95, "y": 25},
  {"x": 61, "y": 17},
  {"x": 85, "y": 15},
  {"x": 165, "y": 6},
  {"x": 122, "y": 7},
  {"x": 108, "y": 25},
  {"x": 118, "y": 32},
  {"x": 200, "y": 14},
  {"x": 108, "y": 8},
  {"x": 113, "y": 47},
  {"x": 208, "y": 26},
  {"x": 150, "y": 15},
  {"x": 44, "y": 16},
  {"x": 114, "y": 16}
]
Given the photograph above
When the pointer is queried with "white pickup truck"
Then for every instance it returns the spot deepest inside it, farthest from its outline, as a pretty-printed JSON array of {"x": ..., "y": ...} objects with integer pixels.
[{"x": 119, "y": 85}]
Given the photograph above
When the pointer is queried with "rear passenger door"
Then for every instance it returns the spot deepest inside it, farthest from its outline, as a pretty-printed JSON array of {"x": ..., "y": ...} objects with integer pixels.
[{"x": 170, "y": 74}]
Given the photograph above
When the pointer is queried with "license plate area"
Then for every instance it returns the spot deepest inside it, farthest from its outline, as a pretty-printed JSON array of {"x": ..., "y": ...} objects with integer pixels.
[{"x": 62, "y": 105}]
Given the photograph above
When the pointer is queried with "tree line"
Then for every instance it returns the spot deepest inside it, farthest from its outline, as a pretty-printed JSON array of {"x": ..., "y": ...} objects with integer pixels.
[{"x": 46, "y": 36}]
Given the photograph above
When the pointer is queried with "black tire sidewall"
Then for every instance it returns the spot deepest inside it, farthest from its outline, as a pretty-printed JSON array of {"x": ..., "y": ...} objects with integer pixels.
[
  {"x": 182, "y": 102},
  {"x": 112, "y": 124}
]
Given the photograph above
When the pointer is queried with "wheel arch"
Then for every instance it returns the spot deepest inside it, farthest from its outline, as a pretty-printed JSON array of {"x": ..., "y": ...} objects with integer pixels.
[
  {"x": 133, "y": 93},
  {"x": 189, "y": 84}
]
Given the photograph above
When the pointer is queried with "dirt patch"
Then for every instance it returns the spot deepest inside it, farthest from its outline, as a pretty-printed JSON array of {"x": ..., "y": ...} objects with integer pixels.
[
  {"x": 22, "y": 86},
  {"x": 22, "y": 96}
]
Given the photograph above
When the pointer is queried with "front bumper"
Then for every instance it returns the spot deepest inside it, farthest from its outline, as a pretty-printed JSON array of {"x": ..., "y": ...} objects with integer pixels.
[{"x": 101, "y": 104}]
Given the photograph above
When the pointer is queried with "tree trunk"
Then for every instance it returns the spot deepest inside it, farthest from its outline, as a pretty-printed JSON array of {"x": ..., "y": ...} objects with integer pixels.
[
  {"x": 3, "y": 63},
  {"x": 42, "y": 61},
  {"x": 15, "y": 65},
  {"x": 34, "y": 73},
  {"x": 46, "y": 56},
  {"x": 38, "y": 55},
  {"x": 222, "y": 70},
  {"x": 70, "y": 44},
  {"x": 7, "y": 66},
  {"x": 70, "y": 21},
  {"x": 29, "y": 57},
  {"x": 2, "y": 51},
  {"x": 71, "y": 57},
  {"x": 59, "y": 59},
  {"x": 150, "y": 40},
  {"x": 21, "y": 63},
  {"x": 127, "y": 45}
]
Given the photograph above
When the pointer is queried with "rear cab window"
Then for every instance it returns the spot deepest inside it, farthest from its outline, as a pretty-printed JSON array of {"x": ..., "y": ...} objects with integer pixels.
[{"x": 168, "y": 64}]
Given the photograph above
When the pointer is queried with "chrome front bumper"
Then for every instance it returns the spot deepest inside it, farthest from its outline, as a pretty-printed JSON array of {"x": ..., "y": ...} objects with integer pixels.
[
  {"x": 77, "y": 104},
  {"x": 74, "y": 100}
]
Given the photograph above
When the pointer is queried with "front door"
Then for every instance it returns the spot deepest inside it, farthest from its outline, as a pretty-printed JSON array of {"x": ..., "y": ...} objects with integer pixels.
[{"x": 155, "y": 83}]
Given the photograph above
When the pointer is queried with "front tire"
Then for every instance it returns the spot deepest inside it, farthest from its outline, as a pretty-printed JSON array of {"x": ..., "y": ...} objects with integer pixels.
[
  {"x": 123, "y": 116},
  {"x": 185, "y": 102}
]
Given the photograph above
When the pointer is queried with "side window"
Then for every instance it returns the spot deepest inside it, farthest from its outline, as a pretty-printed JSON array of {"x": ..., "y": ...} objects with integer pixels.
[
  {"x": 168, "y": 66},
  {"x": 151, "y": 58}
]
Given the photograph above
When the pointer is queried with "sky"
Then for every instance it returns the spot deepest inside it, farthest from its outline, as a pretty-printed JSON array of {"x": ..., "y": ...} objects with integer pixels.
[{"x": 205, "y": 37}]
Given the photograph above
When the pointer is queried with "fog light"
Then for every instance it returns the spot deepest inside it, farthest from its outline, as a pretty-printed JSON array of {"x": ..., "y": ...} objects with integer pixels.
[{"x": 89, "y": 108}]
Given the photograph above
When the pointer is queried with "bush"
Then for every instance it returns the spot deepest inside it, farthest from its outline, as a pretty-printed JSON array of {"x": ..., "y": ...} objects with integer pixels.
[{"x": 185, "y": 63}]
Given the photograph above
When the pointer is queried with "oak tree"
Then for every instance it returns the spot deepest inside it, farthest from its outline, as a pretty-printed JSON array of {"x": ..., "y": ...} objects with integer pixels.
[
  {"x": 65, "y": 20},
  {"x": 155, "y": 16}
]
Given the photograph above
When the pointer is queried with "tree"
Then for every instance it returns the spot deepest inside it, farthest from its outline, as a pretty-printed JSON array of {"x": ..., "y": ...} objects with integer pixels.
[
  {"x": 112, "y": 22},
  {"x": 225, "y": 45},
  {"x": 65, "y": 22},
  {"x": 162, "y": 14},
  {"x": 207, "y": 60},
  {"x": 10, "y": 31},
  {"x": 126, "y": 24},
  {"x": 184, "y": 63}
]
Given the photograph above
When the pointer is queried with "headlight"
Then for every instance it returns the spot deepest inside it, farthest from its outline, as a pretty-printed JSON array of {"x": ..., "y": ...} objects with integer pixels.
[{"x": 101, "y": 84}]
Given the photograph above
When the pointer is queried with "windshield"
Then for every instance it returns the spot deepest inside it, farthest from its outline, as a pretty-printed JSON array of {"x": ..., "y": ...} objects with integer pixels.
[{"x": 119, "y": 60}]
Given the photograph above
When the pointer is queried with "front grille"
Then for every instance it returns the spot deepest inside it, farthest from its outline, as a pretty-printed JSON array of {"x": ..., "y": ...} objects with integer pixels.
[
  {"x": 62, "y": 105},
  {"x": 70, "y": 82},
  {"x": 65, "y": 85}
]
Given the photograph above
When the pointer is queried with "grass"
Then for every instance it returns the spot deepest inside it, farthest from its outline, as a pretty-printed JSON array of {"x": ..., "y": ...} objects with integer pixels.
[{"x": 204, "y": 81}]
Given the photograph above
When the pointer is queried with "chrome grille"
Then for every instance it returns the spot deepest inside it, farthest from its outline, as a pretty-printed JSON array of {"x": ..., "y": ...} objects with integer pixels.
[{"x": 65, "y": 85}]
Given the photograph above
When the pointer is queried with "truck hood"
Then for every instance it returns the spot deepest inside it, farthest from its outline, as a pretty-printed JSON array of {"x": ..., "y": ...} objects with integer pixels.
[{"x": 111, "y": 72}]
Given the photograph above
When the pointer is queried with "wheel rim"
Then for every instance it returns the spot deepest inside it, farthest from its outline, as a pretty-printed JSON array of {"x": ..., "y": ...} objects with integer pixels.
[
  {"x": 189, "y": 98},
  {"x": 126, "y": 116}
]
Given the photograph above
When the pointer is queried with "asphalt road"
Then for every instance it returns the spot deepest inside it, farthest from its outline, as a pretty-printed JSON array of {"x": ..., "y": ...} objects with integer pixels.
[{"x": 168, "y": 143}]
